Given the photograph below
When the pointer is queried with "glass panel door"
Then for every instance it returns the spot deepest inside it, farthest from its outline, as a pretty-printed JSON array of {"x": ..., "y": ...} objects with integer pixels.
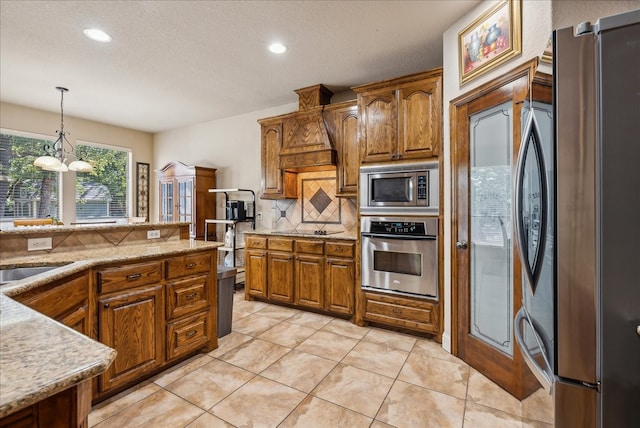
[
  {"x": 166, "y": 201},
  {"x": 491, "y": 257}
]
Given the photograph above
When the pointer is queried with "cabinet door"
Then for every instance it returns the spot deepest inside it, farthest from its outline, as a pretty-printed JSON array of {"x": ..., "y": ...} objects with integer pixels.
[
  {"x": 185, "y": 202},
  {"x": 340, "y": 283},
  {"x": 272, "y": 184},
  {"x": 348, "y": 152},
  {"x": 255, "y": 264},
  {"x": 309, "y": 283},
  {"x": 280, "y": 271},
  {"x": 419, "y": 119},
  {"x": 77, "y": 320},
  {"x": 378, "y": 125},
  {"x": 131, "y": 322},
  {"x": 166, "y": 200}
]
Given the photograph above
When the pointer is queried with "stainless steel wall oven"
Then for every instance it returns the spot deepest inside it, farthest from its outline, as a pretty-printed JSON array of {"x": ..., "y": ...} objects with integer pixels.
[{"x": 400, "y": 255}]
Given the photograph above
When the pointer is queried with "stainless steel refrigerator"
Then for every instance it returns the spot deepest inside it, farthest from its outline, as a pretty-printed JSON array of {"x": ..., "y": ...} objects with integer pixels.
[{"x": 578, "y": 226}]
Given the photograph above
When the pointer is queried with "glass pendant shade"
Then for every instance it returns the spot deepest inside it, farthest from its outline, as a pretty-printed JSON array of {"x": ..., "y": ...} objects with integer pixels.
[
  {"x": 47, "y": 162},
  {"x": 80, "y": 166},
  {"x": 60, "y": 168}
]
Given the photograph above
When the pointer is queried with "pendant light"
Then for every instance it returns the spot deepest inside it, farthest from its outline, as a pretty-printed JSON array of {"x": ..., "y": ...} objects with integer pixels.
[{"x": 56, "y": 154}]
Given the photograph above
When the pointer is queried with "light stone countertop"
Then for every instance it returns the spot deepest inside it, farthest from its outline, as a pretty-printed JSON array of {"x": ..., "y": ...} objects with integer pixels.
[
  {"x": 349, "y": 236},
  {"x": 48, "y": 229},
  {"x": 40, "y": 357}
]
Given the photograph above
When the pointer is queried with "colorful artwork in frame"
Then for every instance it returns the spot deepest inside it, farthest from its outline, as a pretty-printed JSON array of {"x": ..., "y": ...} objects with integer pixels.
[{"x": 490, "y": 40}]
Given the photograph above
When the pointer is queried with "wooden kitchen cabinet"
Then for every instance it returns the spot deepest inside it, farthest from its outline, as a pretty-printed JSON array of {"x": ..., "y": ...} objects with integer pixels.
[
  {"x": 184, "y": 196},
  {"x": 401, "y": 118},
  {"x": 66, "y": 301},
  {"x": 280, "y": 269},
  {"x": 342, "y": 125},
  {"x": 276, "y": 183},
  {"x": 309, "y": 275},
  {"x": 131, "y": 322},
  {"x": 404, "y": 312},
  {"x": 340, "y": 276}
]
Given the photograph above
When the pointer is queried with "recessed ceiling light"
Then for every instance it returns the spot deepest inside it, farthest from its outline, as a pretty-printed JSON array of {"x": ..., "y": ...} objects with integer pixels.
[
  {"x": 97, "y": 35},
  {"x": 277, "y": 48}
]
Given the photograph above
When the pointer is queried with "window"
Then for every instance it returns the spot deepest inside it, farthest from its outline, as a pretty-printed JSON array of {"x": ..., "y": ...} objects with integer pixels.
[
  {"x": 26, "y": 191},
  {"x": 104, "y": 194}
]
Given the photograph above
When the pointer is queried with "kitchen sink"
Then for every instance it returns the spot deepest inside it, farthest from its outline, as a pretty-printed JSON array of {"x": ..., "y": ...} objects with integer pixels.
[{"x": 15, "y": 274}]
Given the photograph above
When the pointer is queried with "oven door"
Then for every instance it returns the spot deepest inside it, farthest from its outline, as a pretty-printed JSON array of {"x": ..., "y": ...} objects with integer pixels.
[{"x": 400, "y": 264}]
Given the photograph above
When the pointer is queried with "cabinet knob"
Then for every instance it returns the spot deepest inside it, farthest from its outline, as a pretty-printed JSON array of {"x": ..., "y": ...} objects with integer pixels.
[
  {"x": 461, "y": 245},
  {"x": 106, "y": 306}
]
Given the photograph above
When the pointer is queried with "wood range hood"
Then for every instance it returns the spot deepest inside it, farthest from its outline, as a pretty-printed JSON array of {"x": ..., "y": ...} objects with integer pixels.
[{"x": 306, "y": 145}]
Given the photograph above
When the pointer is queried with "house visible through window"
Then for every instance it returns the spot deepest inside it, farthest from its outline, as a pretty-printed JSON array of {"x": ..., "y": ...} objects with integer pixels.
[
  {"x": 104, "y": 194},
  {"x": 26, "y": 191}
]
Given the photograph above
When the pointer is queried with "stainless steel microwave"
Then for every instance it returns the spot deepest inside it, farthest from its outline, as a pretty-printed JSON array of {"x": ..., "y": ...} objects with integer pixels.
[{"x": 410, "y": 188}]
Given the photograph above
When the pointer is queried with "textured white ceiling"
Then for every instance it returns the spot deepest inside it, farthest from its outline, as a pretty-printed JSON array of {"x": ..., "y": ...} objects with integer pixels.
[{"x": 176, "y": 63}]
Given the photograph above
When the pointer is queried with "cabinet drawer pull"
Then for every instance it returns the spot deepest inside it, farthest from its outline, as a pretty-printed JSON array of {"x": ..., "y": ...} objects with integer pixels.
[
  {"x": 133, "y": 276},
  {"x": 192, "y": 333},
  {"x": 190, "y": 266},
  {"x": 190, "y": 296}
]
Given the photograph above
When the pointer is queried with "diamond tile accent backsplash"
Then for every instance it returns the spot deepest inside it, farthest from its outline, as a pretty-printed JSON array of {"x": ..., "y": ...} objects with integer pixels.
[{"x": 317, "y": 207}]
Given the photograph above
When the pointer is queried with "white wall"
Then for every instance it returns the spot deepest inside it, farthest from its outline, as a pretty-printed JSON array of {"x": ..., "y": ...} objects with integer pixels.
[
  {"x": 536, "y": 29},
  {"x": 25, "y": 119},
  {"x": 231, "y": 145}
]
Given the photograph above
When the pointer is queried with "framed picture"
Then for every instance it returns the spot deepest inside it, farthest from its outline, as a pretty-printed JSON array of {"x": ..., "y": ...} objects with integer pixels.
[
  {"x": 142, "y": 190},
  {"x": 490, "y": 40}
]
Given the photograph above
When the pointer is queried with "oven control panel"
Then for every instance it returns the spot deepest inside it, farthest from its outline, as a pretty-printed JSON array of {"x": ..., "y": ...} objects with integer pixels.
[{"x": 399, "y": 228}]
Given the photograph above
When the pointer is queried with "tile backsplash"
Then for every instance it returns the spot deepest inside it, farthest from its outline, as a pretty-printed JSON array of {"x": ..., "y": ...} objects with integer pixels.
[{"x": 317, "y": 206}]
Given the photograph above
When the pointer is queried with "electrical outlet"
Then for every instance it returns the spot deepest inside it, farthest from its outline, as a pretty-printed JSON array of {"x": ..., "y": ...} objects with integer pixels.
[
  {"x": 35, "y": 244},
  {"x": 153, "y": 234}
]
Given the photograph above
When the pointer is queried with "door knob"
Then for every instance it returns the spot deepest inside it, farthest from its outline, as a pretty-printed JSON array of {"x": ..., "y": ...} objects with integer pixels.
[{"x": 461, "y": 245}]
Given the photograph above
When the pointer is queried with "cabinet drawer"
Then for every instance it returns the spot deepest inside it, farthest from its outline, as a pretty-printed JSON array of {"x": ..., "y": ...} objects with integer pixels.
[
  {"x": 187, "y": 335},
  {"x": 397, "y": 311},
  {"x": 188, "y": 265},
  {"x": 281, "y": 244},
  {"x": 309, "y": 247},
  {"x": 187, "y": 296},
  {"x": 128, "y": 276},
  {"x": 340, "y": 249},
  {"x": 258, "y": 242}
]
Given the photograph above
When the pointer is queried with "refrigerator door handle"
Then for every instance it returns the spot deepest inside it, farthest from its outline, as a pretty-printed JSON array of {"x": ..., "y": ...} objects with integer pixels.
[
  {"x": 542, "y": 375},
  {"x": 530, "y": 141}
]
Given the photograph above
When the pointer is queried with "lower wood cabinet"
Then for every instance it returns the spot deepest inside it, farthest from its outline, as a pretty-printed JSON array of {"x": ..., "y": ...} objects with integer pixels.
[
  {"x": 66, "y": 301},
  {"x": 132, "y": 323},
  {"x": 308, "y": 273},
  {"x": 413, "y": 314}
]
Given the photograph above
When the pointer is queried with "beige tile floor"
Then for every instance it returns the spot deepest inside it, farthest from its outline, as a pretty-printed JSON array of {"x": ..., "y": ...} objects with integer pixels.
[{"x": 282, "y": 367}]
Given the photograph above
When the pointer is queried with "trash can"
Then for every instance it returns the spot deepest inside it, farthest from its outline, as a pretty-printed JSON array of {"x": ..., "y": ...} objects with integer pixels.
[{"x": 226, "y": 284}]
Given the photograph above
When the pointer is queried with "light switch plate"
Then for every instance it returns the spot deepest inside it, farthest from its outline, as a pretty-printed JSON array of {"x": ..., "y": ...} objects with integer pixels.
[
  {"x": 35, "y": 244},
  {"x": 153, "y": 234}
]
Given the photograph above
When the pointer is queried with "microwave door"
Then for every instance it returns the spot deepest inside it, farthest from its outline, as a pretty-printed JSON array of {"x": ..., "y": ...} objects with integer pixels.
[{"x": 391, "y": 189}]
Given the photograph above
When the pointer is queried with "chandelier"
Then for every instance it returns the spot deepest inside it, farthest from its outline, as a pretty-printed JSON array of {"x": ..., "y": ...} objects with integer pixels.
[{"x": 57, "y": 155}]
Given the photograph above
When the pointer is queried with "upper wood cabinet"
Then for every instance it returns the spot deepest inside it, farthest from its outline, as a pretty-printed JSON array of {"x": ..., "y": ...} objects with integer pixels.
[
  {"x": 276, "y": 183},
  {"x": 401, "y": 118},
  {"x": 342, "y": 126},
  {"x": 184, "y": 196}
]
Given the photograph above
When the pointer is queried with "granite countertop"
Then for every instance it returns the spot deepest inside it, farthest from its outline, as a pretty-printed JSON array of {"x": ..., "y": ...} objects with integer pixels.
[
  {"x": 47, "y": 229},
  {"x": 31, "y": 372},
  {"x": 40, "y": 357},
  {"x": 349, "y": 236}
]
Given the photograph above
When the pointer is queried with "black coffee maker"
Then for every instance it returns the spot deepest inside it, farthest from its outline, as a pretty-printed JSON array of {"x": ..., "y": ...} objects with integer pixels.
[{"x": 236, "y": 210}]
